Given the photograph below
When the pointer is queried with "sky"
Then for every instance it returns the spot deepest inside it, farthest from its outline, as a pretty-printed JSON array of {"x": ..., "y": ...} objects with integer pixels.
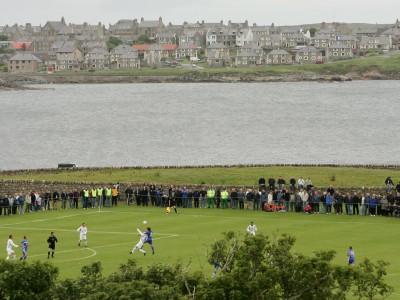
[{"x": 261, "y": 12}]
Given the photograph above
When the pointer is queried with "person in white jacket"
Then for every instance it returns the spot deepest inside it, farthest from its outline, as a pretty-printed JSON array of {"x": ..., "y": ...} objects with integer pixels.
[
  {"x": 142, "y": 240},
  {"x": 10, "y": 244},
  {"x": 82, "y": 234},
  {"x": 251, "y": 229}
]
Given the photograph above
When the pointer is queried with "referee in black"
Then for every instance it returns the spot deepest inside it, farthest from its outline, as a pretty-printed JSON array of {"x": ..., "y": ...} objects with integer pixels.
[{"x": 52, "y": 240}]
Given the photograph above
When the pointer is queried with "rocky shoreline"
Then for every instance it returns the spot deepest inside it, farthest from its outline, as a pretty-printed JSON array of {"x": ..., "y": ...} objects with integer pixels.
[{"x": 13, "y": 82}]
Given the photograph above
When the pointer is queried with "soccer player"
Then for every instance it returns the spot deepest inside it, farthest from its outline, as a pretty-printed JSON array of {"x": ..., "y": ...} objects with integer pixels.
[
  {"x": 24, "y": 246},
  {"x": 217, "y": 265},
  {"x": 10, "y": 244},
  {"x": 149, "y": 240},
  {"x": 350, "y": 256},
  {"x": 251, "y": 229},
  {"x": 139, "y": 245},
  {"x": 82, "y": 234},
  {"x": 52, "y": 240}
]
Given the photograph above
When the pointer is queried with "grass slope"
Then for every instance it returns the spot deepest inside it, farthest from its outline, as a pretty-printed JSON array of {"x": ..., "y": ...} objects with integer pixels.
[
  {"x": 187, "y": 236},
  {"x": 321, "y": 176}
]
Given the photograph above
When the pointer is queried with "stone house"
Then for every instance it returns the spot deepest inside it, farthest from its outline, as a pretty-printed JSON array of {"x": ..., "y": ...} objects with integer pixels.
[
  {"x": 211, "y": 36},
  {"x": 365, "y": 32},
  {"x": 376, "y": 43},
  {"x": 244, "y": 36},
  {"x": 339, "y": 52},
  {"x": 128, "y": 60},
  {"x": 246, "y": 59},
  {"x": 150, "y": 28},
  {"x": 69, "y": 58},
  {"x": 321, "y": 41},
  {"x": 186, "y": 51},
  {"x": 24, "y": 63},
  {"x": 218, "y": 55},
  {"x": 191, "y": 37},
  {"x": 116, "y": 52},
  {"x": 97, "y": 59},
  {"x": 295, "y": 40},
  {"x": 155, "y": 54},
  {"x": 308, "y": 55},
  {"x": 53, "y": 28},
  {"x": 125, "y": 30},
  {"x": 251, "y": 48},
  {"x": 166, "y": 38},
  {"x": 279, "y": 57},
  {"x": 348, "y": 40}
]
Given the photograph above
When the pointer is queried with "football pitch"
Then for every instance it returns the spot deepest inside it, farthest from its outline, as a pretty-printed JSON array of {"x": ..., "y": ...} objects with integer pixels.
[{"x": 187, "y": 236}]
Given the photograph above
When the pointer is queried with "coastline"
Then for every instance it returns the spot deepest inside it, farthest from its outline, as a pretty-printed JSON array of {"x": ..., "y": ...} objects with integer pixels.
[{"x": 19, "y": 82}]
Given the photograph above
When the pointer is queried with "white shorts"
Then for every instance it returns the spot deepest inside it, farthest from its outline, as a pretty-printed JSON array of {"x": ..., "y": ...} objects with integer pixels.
[
  {"x": 82, "y": 237},
  {"x": 139, "y": 245},
  {"x": 10, "y": 251}
]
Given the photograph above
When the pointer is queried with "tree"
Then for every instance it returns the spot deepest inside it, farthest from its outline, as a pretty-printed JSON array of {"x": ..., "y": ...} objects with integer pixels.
[
  {"x": 370, "y": 280},
  {"x": 27, "y": 280},
  {"x": 113, "y": 42},
  {"x": 312, "y": 31},
  {"x": 3, "y": 37},
  {"x": 143, "y": 39}
]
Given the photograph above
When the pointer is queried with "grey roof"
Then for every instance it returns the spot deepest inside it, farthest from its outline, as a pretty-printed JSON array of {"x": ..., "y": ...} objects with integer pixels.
[
  {"x": 322, "y": 37},
  {"x": 149, "y": 24},
  {"x": 25, "y": 56},
  {"x": 129, "y": 55},
  {"x": 308, "y": 49},
  {"x": 156, "y": 47},
  {"x": 217, "y": 46},
  {"x": 67, "y": 49},
  {"x": 278, "y": 52},
  {"x": 335, "y": 46},
  {"x": 247, "y": 53}
]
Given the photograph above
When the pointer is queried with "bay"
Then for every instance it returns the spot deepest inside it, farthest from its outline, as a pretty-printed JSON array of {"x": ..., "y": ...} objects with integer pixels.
[{"x": 180, "y": 124}]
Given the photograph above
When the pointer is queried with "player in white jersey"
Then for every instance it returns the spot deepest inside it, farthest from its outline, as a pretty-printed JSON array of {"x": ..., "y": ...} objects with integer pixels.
[
  {"x": 10, "y": 244},
  {"x": 82, "y": 234},
  {"x": 142, "y": 240},
  {"x": 251, "y": 229}
]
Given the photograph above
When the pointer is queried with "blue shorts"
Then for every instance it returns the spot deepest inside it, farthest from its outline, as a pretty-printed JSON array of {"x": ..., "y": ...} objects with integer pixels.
[{"x": 351, "y": 261}]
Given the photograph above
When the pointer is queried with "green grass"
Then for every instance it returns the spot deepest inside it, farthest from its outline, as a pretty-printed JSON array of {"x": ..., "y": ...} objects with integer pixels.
[
  {"x": 237, "y": 175},
  {"x": 383, "y": 64},
  {"x": 187, "y": 236}
]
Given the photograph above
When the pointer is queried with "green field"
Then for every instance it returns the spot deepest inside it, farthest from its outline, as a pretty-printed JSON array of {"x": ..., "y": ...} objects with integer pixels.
[
  {"x": 188, "y": 235},
  {"x": 322, "y": 176}
]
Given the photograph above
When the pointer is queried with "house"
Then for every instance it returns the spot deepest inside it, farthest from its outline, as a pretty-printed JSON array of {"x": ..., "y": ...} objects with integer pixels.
[
  {"x": 339, "y": 52},
  {"x": 366, "y": 32},
  {"x": 155, "y": 54},
  {"x": 246, "y": 59},
  {"x": 279, "y": 57},
  {"x": 295, "y": 40},
  {"x": 125, "y": 30},
  {"x": 375, "y": 43},
  {"x": 308, "y": 55},
  {"x": 322, "y": 41},
  {"x": 191, "y": 37},
  {"x": 150, "y": 28},
  {"x": 97, "y": 59},
  {"x": 348, "y": 40},
  {"x": 244, "y": 36},
  {"x": 251, "y": 48},
  {"x": 166, "y": 38},
  {"x": 69, "y": 58},
  {"x": 24, "y": 63},
  {"x": 186, "y": 51},
  {"x": 128, "y": 60},
  {"x": 171, "y": 49},
  {"x": 52, "y": 28},
  {"x": 116, "y": 52},
  {"x": 218, "y": 55}
]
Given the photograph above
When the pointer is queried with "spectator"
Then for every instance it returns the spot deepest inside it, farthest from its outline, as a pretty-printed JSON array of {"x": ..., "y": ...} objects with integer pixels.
[
  {"x": 271, "y": 183},
  {"x": 389, "y": 184},
  {"x": 300, "y": 183}
]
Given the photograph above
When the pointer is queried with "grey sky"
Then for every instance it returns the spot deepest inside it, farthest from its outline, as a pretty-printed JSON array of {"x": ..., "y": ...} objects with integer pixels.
[{"x": 262, "y": 12}]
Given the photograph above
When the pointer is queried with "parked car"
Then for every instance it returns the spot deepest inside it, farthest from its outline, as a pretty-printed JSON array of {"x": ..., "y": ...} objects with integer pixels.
[{"x": 194, "y": 59}]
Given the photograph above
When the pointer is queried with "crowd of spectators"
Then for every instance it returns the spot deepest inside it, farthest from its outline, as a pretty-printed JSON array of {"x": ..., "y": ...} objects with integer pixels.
[{"x": 270, "y": 196}]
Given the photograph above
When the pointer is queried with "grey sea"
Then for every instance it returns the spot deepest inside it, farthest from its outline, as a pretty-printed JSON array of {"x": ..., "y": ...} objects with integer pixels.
[{"x": 180, "y": 124}]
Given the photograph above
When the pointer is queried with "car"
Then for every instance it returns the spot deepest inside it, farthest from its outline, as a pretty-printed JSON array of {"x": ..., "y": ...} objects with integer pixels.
[{"x": 194, "y": 59}]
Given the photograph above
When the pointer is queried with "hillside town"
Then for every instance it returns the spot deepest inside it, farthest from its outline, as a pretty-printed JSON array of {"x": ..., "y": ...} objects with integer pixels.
[{"x": 132, "y": 44}]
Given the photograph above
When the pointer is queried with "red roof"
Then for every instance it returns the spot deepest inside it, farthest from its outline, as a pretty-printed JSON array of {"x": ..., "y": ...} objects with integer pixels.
[
  {"x": 20, "y": 45},
  {"x": 141, "y": 47},
  {"x": 169, "y": 46}
]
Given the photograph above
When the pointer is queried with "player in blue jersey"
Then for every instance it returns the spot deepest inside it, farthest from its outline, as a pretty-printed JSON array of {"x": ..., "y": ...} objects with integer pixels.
[
  {"x": 149, "y": 240},
  {"x": 139, "y": 245},
  {"x": 24, "y": 246},
  {"x": 350, "y": 256}
]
